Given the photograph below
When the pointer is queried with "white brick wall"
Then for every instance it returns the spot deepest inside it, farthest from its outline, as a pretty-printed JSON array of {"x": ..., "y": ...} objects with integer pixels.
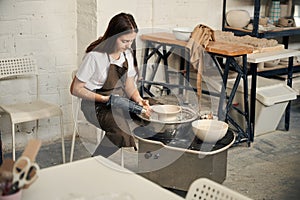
[
  {"x": 87, "y": 27},
  {"x": 56, "y": 33},
  {"x": 45, "y": 29}
]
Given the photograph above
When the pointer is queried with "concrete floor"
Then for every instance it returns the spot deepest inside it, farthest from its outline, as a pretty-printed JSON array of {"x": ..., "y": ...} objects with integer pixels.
[{"x": 268, "y": 170}]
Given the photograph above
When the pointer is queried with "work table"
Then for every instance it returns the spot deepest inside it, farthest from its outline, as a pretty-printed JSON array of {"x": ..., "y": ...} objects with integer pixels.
[
  {"x": 92, "y": 178},
  {"x": 213, "y": 47}
]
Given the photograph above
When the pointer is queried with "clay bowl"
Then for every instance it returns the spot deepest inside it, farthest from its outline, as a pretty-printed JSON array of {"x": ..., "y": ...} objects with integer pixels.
[
  {"x": 209, "y": 131},
  {"x": 182, "y": 33},
  {"x": 166, "y": 113},
  {"x": 238, "y": 18},
  {"x": 182, "y": 119}
]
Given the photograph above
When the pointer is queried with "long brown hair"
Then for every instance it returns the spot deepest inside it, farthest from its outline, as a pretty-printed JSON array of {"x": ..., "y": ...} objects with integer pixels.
[{"x": 120, "y": 24}]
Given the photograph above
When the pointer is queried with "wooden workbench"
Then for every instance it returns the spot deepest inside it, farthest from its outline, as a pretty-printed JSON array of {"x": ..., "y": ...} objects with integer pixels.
[{"x": 221, "y": 48}]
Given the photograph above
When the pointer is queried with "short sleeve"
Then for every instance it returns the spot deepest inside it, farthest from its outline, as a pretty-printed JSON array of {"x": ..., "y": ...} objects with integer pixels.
[
  {"x": 93, "y": 70},
  {"x": 87, "y": 68},
  {"x": 131, "y": 69}
]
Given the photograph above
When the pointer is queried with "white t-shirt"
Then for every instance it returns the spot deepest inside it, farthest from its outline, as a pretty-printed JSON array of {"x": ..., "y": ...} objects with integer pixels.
[{"x": 95, "y": 65}]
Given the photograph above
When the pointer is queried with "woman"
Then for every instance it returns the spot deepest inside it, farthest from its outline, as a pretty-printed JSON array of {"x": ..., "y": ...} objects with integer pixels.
[{"x": 108, "y": 72}]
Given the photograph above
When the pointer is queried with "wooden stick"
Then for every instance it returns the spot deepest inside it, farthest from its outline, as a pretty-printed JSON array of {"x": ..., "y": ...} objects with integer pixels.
[{"x": 32, "y": 149}]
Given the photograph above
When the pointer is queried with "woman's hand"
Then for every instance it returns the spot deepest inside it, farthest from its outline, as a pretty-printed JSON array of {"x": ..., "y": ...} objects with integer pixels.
[
  {"x": 134, "y": 95},
  {"x": 104, "y": 99},
  {"x": 146, "y": 106}
]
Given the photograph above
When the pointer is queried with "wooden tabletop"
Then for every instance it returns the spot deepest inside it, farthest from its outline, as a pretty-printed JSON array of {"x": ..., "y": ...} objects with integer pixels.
[
  {"x": 213, "y": 47},
  {"x": 164, "y": 38}
]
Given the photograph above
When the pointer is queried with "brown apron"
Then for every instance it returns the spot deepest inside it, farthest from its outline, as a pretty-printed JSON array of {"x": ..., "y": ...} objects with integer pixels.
[{"x": 113, "y": 121}]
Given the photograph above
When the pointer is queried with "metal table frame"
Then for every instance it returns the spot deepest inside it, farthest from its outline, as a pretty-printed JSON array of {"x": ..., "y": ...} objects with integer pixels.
[
  {"x": 163, "y": 51},
  {"x": 247, "y": 134}
]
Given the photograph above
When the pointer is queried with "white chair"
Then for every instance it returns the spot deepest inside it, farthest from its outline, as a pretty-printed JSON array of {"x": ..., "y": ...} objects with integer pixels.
[
  {"x": 12, "y": 69},
  {"x": 76, "y": 102},
  {"x": 204, "y": 188},
  {"x": 76, "y": 110}
]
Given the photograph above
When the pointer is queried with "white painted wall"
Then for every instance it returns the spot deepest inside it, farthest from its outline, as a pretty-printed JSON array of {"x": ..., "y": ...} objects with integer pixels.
[
  {"x": 45, "y": 29},
  {"x": 163, "y": 14},
  {"x": 57, "y": 32},
  {"x": 87, "y": 25}
]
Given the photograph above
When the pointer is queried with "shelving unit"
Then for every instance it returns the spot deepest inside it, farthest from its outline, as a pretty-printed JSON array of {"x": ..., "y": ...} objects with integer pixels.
[{"x": 285, "y": 32}]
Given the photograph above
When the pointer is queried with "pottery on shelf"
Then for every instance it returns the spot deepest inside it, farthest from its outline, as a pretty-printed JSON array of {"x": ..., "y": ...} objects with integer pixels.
[
  {"x": 238, "y": 18},
  {"x": 275, "y": 11}
]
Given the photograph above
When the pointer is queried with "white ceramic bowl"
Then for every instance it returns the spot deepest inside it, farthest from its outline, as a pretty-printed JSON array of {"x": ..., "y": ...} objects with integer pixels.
[
  {"x": 182, "y": 33},
  {"x": 209, "y": 131},
  {"x": 167, "y": 113},
  {"x": 238, "y": 18}
]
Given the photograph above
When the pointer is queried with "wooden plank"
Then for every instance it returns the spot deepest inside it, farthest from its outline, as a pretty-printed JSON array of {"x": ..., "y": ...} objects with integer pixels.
[
  {"x": 277, "y": 29},
  {"x": 32, "y": 149},
  {"x": 267, "y": 49},
  {"x": 228, "y": 49},
  {"x": 272, "y": 55}
]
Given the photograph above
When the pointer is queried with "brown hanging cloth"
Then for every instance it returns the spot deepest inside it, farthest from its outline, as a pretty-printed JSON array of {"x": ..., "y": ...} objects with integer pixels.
[{"x": 200, "y": 38}]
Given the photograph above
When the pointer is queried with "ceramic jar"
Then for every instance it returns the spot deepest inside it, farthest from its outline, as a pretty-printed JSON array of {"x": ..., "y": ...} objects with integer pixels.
[{"x": 238, "y": 18}]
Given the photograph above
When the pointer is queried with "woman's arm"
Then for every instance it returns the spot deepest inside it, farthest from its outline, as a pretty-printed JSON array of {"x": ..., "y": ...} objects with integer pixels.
[
  {"x": 132, "y": 91},
  {"x": 134, "y": 95},
  {"x": 77, "y": 89}
]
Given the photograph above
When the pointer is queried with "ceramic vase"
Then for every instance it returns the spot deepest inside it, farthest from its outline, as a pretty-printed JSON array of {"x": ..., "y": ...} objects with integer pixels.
[{"x": 275, "y": 12}]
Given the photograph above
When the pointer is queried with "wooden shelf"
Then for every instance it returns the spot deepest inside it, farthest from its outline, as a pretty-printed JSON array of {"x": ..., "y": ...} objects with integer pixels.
[
  {"x": 277, "y": 32},
  {"x": 285, "y": 32},
  {"x": 278, "y": 67}
]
